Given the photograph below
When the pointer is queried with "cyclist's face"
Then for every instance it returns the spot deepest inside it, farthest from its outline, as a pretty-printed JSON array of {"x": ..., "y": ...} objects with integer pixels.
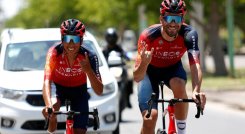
[
  {"x": 71, "y": 43},
  {"x": 171, "y": 23}
]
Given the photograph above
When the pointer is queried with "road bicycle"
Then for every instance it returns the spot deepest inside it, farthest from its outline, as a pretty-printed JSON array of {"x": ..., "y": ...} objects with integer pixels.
[
  {"x": 170, "y": 110},
  {"x": 94, "y": 121}
]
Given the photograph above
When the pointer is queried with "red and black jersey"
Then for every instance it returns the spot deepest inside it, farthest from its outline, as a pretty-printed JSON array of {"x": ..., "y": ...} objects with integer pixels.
[
  {"x": 169, "y": 53},
  {"x": 58, "y": 70}
]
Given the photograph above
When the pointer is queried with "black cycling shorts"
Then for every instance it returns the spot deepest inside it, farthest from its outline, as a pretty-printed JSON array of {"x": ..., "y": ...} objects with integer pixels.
[
  {"x": 152, "y": 79},
  {"x": 79, "y": 102}
]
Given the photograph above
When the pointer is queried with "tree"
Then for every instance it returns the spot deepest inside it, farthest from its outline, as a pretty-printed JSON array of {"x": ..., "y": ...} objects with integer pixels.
[{"x": 123, "y": 14}]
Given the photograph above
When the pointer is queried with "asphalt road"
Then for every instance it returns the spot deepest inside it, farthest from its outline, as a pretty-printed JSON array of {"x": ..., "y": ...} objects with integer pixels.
[{"x": 217, "y": 119}]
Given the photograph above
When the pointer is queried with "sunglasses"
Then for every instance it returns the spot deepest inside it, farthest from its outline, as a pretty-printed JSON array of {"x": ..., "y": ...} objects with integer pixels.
[
  {"x": 68, "y": 38},
  {"x": 176, "y": 19}
]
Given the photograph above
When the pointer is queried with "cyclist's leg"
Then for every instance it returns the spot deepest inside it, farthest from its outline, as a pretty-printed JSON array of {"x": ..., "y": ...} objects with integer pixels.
[
  {"x": 181, "y": 109},
  {"x": 79, "y": 102},
  {"x": 177, "y": 82},
  {"x": 144, "y": 94}
]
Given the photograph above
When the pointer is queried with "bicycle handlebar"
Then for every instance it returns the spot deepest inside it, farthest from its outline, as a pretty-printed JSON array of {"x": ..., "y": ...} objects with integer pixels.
[
  {"x": 172, "y": 102},
  {"x": 71, "y": 113}
]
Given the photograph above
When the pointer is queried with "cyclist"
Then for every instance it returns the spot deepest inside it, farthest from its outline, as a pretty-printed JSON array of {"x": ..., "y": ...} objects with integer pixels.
[
  {"x": 160, "y": 48},
  {"x": 111, "y": 38},
  {"x": 68, "y": 65}
]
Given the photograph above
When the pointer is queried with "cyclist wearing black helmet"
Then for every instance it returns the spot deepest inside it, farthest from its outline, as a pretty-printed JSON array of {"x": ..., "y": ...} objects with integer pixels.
[
  {"x": 68, "y": 65},
  {"x": 111, "y": 38},
  {"x": 160, "y": 48}
]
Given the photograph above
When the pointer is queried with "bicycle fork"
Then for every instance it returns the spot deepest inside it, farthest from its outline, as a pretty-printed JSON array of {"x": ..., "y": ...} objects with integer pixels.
[
  {"x": 170, "y": 111},
  {"x": 69, "y": 121},
  {"x": 171, "y": 128},
  {"x": 69, "y": 125}
]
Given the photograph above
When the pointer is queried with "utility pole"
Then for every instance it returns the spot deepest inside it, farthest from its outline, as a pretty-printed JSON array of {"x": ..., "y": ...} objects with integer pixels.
[{"x": 230, "y": 26}]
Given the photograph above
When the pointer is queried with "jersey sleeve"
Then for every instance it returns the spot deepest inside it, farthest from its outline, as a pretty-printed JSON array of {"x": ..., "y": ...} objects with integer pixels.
[
  {"x": 93, "y": 59},
  {"x": 50, "y": 63},
  {"x": 191, "y": 41},
  {"x": 94, "y": 62}
]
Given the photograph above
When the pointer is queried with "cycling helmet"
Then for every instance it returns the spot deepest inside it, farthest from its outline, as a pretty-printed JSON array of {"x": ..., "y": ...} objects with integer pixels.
[
  {"x": 111, "y": 36},
  {"x": 173, "y": 6},
  {"x": 72, "y": 27}
]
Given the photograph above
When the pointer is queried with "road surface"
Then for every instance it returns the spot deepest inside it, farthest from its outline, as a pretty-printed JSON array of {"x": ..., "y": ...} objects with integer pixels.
[{"x": 218, "y": 119}]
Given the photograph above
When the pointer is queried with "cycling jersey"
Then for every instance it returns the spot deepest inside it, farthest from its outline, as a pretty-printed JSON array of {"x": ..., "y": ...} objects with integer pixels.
[
  {"x": 168, "y": 53},
  {"x": 58, "y": 70}
]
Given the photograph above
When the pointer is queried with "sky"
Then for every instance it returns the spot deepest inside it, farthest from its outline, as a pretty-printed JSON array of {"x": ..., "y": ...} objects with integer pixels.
[{"x": 10, "y": 7}]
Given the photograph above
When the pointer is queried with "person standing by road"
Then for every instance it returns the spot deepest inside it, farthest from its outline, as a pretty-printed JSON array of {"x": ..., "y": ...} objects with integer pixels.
[
  {"x": 67, "y": 66},
  {"x": 160, "y": 48}
]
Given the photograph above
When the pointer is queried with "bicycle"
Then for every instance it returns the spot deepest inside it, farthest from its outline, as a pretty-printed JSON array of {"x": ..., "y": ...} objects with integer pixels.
[
  {"x": 170, "y": 110},
  {"x": 70, "y": 116}
]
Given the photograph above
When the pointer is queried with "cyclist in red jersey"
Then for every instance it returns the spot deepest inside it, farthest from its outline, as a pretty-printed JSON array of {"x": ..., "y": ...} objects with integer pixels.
[
  {"x": 160, "y": 48},
  {"x": 67, "y": 66}
]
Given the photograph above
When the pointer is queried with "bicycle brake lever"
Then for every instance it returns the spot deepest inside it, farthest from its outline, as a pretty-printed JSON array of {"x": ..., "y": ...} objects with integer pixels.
[
  {"x": 96, "y": 119},
  {"x": 199, "y": 108},
  {"x": 150, "y": 103},
  {"x": 50, "y": 110},
  {"x": 149, "y": 109}
]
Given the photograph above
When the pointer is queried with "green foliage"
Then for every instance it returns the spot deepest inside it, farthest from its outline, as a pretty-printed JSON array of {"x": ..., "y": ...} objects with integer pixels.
[{"x": 98, "y": 14}]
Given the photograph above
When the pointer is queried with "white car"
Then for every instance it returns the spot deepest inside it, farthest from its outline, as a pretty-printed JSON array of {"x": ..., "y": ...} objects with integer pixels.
[{"x": 21, "y": 79}]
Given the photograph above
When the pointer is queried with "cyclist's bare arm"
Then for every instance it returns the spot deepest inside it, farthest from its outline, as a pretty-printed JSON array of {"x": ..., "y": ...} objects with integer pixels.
[
  {"x": 47, "y": 76},
  {"x": 196, "y": 75},
  {"x": 144, "y": 58},
  {"x": 47, "y": 93},
  {"x": 191, "y": 41},
  {"x": 95, "y": 82}
]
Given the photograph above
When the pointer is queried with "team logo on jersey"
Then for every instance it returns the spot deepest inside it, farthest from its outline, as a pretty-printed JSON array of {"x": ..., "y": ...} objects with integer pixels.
[
  {"x": 160, "y": 42},
  {"x": 68, "y": 69},
  {"x": 142, "y": 42}
]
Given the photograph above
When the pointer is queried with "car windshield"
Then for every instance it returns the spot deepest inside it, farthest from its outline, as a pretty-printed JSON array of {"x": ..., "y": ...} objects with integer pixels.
[{"x": 32, "y": 55}]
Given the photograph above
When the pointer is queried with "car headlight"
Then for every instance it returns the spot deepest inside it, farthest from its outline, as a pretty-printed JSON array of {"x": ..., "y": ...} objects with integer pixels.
[
  {"x": 109, "y": 88},
  {"x": 10, "y": 93}
]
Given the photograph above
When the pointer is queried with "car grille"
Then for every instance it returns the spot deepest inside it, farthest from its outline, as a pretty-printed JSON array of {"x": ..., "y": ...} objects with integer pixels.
[
  {"x": 35, "y": 100},
  {"x": 39, "y": 125}
]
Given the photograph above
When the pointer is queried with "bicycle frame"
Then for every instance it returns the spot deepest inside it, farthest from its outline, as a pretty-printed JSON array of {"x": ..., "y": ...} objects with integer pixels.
[
  {"x": 69, "y": 120},
  {"x": 170, "y": 110}
]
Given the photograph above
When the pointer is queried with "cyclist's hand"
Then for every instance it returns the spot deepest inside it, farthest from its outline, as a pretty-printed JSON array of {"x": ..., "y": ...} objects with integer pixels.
[
  {"x": 202, "y": 98},
  {"x": 146, "y": 56},
  {"x": 85, "y": 64},
  {"x": 45, "y": 112}
]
